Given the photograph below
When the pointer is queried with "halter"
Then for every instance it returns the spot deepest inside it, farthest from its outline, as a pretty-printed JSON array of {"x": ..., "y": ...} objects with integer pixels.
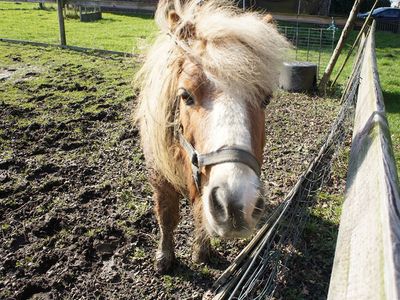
[{"x": 224, "y": 155}]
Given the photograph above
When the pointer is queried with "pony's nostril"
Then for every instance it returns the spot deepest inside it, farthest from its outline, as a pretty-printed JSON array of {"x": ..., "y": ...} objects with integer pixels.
[
  {"x": 258, "y": 208},
  {"x": 217, "y": 204}
]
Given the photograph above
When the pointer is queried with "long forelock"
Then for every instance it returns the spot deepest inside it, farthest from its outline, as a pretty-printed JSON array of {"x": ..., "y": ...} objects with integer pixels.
[{"x": 242, "y": 53}]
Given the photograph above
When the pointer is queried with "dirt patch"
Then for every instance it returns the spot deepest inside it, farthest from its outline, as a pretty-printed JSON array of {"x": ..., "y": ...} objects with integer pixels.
[{"x": 75, "y": 204}]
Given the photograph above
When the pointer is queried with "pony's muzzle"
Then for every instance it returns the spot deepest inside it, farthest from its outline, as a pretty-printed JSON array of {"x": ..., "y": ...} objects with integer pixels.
[{"x": 232, "y": 216}]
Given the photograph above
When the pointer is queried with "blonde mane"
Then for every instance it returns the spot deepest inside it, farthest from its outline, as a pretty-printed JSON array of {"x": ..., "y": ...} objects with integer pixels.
[{"x": 242, "y": 54}]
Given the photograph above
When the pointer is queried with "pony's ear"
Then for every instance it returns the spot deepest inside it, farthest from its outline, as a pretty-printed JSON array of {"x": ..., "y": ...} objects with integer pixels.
[
  {"x": 166, "y": 15},
  {"x": 168, "y": 18},
  {"x": 268, "y": 18},
  {"x": 173, "y": 19}
]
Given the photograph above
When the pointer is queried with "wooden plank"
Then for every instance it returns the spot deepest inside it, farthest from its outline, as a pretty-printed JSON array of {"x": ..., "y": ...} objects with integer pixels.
[
  {"x": 63, "y": 40},
  {"x": 367, "y": 259},
  {"x": 310, "y": 19}
]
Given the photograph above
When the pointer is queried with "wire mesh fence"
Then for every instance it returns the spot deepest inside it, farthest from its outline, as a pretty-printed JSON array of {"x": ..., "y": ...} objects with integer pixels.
[
  {"x": 311, "y": 44},
  {"x": 391, "y": 26}
]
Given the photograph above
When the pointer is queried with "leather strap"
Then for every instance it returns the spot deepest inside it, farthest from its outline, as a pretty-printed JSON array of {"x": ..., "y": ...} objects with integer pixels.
[
  {"x": 230, "y": 155},
  {"x": 217, "y": 157}
]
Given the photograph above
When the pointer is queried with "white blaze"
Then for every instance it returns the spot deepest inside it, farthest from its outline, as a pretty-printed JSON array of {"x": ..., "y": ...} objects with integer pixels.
[{"x": 228, "y": 125}]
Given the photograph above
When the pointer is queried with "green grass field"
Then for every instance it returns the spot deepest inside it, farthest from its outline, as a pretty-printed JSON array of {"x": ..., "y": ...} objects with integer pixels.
[
  {"x": 388, "y": 55},
  {"x": 135, "y": 33},
  {"x": 114, "y": 32}
]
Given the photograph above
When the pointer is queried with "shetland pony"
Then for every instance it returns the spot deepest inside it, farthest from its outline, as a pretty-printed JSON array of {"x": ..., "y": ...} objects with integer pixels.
[{"x": 203, "y": 89}]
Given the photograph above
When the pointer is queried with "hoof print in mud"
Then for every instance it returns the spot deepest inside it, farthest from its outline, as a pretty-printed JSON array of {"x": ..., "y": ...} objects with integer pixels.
[
  {"x": 105, "y": 248},
  {"x": 50, "y": 226},
  {"x": 51, "y": 185},
  {"x": 68, "y": 146}
]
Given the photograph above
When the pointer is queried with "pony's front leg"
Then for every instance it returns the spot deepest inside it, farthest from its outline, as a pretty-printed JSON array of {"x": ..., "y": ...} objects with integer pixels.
[
  {"x": 201, "y": 244},
  {"x": 167, "y": 212}
]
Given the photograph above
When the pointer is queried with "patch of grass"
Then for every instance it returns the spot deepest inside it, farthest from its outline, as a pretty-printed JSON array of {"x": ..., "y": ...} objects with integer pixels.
[
  {"x": 135, "y": 204},
  {"x": 26, "y": 262},
  {"x": 41, "y": 209},
  {"x": 128, "y": 230},
  {"x": 93, "y": 231},
  {"x": 5, "y": 293},
  {"x": 67, "y": 78},
  {"x": 328, "y": 207},
  {"x": 114, "y": 32},
  {"x": 205, "y": 271},
  {"x": 168, "y": 282},
  {"x": 138, "y": 253},
  {"x": 5, "y": 227},
  {"x": 215, "y": 242}
]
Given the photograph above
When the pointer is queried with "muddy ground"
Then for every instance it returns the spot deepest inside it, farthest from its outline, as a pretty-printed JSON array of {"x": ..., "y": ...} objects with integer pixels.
[{"x": 75, "y": 205}]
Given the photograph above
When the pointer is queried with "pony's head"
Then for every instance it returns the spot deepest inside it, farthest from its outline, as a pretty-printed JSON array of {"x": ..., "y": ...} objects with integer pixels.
[{"x": 203, "y": 90}]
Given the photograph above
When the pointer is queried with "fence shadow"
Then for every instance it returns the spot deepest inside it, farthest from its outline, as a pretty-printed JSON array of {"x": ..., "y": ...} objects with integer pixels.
[
  {"x": 310, "y": 265},
  {"x": 131, "y": 14},
  {"x": 392, "y": 104},
  {"x": 384, "y": 40}
]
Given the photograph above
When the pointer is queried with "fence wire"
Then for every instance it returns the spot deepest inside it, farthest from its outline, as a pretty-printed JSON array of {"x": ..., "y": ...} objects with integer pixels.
[
  {"x": 311, "y": 44},
  {"x": 256, "y": 271}
]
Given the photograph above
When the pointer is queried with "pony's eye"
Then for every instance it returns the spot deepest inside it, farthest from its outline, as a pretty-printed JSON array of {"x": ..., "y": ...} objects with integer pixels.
[
  {"x": 187, "y": 97},
  {"x": 266, "y": 101}
]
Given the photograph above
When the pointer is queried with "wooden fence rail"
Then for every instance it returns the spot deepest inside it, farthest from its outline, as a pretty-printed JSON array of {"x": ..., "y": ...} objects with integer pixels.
[
  {"x": 133, "y": 5},
  {"x": 367, "y": 259}
]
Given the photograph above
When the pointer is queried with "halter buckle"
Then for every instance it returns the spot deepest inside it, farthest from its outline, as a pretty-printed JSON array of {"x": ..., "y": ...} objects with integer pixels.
[{"x": 196, "y": 170}]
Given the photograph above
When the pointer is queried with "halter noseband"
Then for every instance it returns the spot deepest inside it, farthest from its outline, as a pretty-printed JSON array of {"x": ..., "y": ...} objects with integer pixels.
[{"x": 220, "y": 156}]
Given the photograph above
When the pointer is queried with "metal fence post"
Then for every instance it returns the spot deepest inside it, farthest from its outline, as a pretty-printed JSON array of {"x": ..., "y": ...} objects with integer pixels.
[
  {"x": 297, "y": 39},
  {"x": 308, "y": 42},
  {"x": 319, "y": 51},
  {"x": 63, "y": 40}
]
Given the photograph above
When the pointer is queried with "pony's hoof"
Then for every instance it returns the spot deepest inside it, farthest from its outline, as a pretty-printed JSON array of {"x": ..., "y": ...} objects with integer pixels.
[
  {"x": 201, "y": 255},
  {"x": 164, "y": 263}
]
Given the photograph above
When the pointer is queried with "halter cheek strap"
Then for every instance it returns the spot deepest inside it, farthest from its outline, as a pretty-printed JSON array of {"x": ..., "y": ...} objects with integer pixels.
[{"x": 220, "y": 156}]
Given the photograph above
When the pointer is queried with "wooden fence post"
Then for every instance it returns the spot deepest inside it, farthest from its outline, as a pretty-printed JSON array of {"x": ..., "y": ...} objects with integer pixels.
[
  {"x": 362, "y": 30},
  {"x": 63, "y": 40},
  {"x": 346, "y": 30}
]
